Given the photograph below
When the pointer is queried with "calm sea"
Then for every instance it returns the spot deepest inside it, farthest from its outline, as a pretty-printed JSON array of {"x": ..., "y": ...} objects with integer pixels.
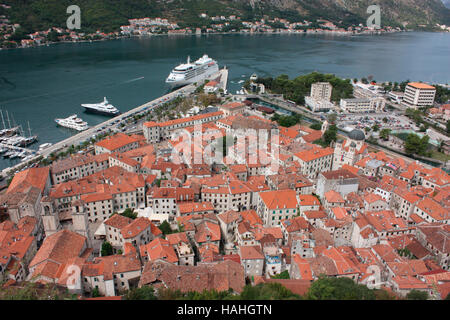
[{"x": 44, "y": 83}]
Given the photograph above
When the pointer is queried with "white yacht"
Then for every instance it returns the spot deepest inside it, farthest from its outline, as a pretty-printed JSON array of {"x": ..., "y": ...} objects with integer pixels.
[
  {"x": 187, "y": 73},
  {"x": 104, "y": 108},
  {"x": 73, "y": 122}
]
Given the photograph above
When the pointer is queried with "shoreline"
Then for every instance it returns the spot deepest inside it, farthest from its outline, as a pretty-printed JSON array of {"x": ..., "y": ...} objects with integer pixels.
[{"x": 329, "y": 33}]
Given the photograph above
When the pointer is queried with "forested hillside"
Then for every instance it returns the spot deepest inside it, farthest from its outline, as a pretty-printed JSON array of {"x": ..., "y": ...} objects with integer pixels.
[{"x": 109, "y": 15}]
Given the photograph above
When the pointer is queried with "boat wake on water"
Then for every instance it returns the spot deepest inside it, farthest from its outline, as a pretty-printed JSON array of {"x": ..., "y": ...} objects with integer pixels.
[{"x": 133, "y": 80}]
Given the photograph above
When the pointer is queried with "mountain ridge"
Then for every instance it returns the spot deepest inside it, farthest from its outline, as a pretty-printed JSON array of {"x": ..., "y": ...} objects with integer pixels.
[{"x": 109, "y": 15}]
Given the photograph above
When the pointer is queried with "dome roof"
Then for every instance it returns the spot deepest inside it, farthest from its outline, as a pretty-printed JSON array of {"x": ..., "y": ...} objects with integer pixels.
[{"x": 356, "y": 135}]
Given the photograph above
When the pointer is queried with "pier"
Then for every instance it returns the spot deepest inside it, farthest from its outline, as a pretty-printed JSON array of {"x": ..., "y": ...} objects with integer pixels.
[{"x": 16, "y": 148}]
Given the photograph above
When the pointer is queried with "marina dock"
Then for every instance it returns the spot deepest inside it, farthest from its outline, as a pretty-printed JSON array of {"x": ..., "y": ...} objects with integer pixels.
[{"x": 15, "y": 148}]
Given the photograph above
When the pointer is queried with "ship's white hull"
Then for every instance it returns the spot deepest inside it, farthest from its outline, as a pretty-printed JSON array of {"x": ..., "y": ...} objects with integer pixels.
[
  {"x": 103, "y": 108},
  {"x": 190, "y": 73},
  {"x": 66, "y": 125},
  {"x": 99, "y": 111},
  {"x": 180, "y": 83}
]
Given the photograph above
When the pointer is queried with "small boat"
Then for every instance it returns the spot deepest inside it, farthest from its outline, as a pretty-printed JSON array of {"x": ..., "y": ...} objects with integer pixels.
[{"x": 14, "y": 154}]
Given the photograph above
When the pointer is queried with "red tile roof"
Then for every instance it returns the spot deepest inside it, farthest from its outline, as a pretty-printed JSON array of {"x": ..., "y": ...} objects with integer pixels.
[
  {"x": 118, "y": 221},
  {"x": 159, "y": 249},
  {"x": 308, "y": 200},
  {"x": 219, "y": 276},
  {"x": 136, "y": 227},
  {"x": 315, "y": 153},
  {"x": 279, "y": 199},
  {"x": 433, "y": 209},
  {"x": 36, "y": 177},
  {"x": 251, "y": 253},
  {"x": 333, "y": 197},
  {"x": 194, "y": 207},
  {"x": 116, "y": 141},
  {"x": 207, "y": 231}
]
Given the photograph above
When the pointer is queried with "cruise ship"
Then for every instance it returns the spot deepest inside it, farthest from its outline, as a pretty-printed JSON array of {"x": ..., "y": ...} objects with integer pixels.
[
  {"x": 104, "y": 108},
  {"x": 187, "y": 73},
  {"x": 73, "y": 122}
]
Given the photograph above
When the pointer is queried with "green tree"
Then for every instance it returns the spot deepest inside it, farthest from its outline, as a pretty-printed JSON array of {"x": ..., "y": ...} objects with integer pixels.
[
  {"x": 129, "y": 213},
  {"x": 442, "y": 94},
  {"x": 107, "y": 249},
  {"x": 53, "y": 36},
  {"x": 267, "y": 291},
  {"x": 143, "y": 293},
  {"x": 416, "y": 145},
  {"x": 316, "y": 126},
  {"x": 417, "y": 295},
  {"x": 33, "y": 291},
  {"x": 381, "y": 294},
  {"x": 18, "y": 35},
  {"x": 287, "y": 120},
  {"x": 375, "y": 127},
  {"x": 296, "y": 89},
  {"x": 282, "y": 275},
  {"x": 330, "y": 288},
  {"x": 165, "y": 227},
  {"x": 384, "y": 134},
  {"x": 208, "y": 295},
  {"x": 332, "y": 118},
  {"x": 330, "y": 135},
  {"x": 95, "y": 293}
]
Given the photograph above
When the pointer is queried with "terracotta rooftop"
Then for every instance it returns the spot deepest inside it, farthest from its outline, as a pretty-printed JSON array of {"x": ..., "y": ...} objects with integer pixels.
[
  {"x": 136, "y": 227},
  {"x": 338, "y": 174},
  {"x": 333, "y": 197},
  {"x": 315, "y": 153},
  {"x": 279, "y": 199},
  {"x": 419, "y": 85},
  {"x": 219, "y": 276},
  {"x": 35, "y": 177},
  {"x": 250, "y": 253},
  {"x": 229, "y": 216},
  {"x": 194, "y": 207},
  {"x": 118, "y": 221},
  {"x": 116, "y": 141}
]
